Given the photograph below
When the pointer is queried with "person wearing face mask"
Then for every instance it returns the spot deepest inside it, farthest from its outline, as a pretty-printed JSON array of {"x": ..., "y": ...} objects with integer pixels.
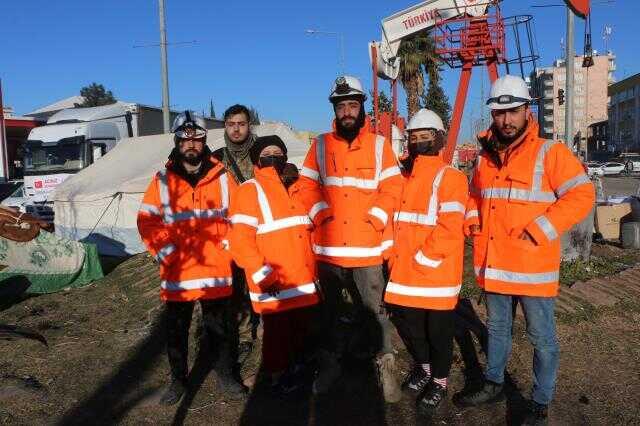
[
  {"x": 426, "y": 260},
  {"x": 525, "y": 193},
  {"x": 183, "y": 222},
  {"x": 359, "y": 177},
  {"x": 271, "y": 240}
]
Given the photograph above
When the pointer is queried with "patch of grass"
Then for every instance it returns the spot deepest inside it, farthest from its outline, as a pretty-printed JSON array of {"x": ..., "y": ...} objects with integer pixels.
[{"x": 583, "y": 270}]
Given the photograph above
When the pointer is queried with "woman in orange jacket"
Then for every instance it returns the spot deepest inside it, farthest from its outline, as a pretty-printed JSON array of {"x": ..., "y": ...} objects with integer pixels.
[
  {"x": 426, "y": 264},
  {"x": 271, "y": 240}
]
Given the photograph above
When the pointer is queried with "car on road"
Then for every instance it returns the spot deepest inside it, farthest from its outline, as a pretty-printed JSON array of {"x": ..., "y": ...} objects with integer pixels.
[
  {"x": 612, "y": 168},
  {"x": 594, "y": 168},
  {"x": 631, "y": 161}
]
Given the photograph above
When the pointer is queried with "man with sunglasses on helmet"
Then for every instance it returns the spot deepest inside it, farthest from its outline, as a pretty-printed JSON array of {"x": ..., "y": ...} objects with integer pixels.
[
  {"x": 525, "y": 193},
  {"x": 183, "y": 223},
  {"x": 359, "y": 177}
]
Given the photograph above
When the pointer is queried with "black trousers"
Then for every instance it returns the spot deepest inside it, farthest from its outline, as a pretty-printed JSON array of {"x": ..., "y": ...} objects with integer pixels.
[
  {"x": 219, "y": 325},
  {"x": 365, "y": 285},
  {"x": 428, "y": 336}
]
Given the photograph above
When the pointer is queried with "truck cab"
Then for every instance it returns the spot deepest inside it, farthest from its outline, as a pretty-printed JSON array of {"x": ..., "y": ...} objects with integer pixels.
[{"x": 70, "y": 141}]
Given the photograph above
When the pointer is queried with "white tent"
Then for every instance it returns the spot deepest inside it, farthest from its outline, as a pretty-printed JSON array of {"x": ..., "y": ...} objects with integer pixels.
[{"x": 100, "y": 204}]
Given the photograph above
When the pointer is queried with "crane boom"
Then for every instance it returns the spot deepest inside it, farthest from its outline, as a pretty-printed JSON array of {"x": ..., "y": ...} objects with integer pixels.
[{"x": 419, "y": 17}]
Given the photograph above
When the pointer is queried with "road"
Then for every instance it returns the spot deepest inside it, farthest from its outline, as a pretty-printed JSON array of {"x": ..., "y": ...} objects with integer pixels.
[{"x": 622, "y": 185}]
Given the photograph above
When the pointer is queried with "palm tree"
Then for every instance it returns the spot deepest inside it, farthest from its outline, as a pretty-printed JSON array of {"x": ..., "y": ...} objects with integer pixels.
[{"x": 417, "y": 55}]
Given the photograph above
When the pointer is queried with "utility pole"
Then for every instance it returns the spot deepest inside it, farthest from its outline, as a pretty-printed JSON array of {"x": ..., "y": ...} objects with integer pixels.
[
  {"x": 4, "y": 159},
  {"x": 569, "y": 90},
  {"x": 166, "y": 118}
]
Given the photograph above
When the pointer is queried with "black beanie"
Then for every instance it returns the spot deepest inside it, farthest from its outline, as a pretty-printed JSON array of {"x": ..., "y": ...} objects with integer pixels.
[{"x": 264, "y": 141}]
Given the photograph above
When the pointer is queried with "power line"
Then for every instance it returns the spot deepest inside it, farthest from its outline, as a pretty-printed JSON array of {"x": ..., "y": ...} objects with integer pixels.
[{"x": 136, "y": 46}]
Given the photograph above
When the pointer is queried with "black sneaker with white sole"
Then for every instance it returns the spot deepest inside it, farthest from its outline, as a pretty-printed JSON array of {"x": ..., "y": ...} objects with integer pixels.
[
  {"x": 433, "y": 399},
  {"x": 416, "y": 379}
]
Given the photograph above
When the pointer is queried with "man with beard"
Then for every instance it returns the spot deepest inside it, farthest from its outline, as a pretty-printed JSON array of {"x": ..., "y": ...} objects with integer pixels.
[
  {"x": 357, "y": 173},
  {"x": 525, "y": 193},
  {"x": 238, "y": 141},
  {"x": 183, "y": 223}
]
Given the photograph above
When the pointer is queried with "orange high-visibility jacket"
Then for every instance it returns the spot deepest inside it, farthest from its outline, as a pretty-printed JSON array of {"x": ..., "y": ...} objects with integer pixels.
[
  {"x": 361, "y": 183},
  {"x": 185, "y": 229},
  {"x": 537, "y": 186},
  {"x": 271, "y": 240},
  {"x": 426, "y": 265}
]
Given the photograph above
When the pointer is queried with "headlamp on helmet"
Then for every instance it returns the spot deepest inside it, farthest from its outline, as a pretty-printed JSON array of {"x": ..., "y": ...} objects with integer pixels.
[{"x": 189, "y": 125}]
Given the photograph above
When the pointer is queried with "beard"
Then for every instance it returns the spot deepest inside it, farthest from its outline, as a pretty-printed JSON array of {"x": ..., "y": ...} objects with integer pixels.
[
  {"x": 506, "y": 140},
  {"x": 192, "y": 157},
  {"x": 349, "y": 127}
]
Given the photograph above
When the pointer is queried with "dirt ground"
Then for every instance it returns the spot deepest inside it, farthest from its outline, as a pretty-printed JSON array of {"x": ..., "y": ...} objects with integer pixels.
[{"x": 105, "y": 363}]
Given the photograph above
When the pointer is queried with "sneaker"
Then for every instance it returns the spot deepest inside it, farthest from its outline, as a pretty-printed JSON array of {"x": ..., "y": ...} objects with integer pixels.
[
  {"x": 330, "y": 371},
  {"x": 173, "y": 392},
  {"x": 388, "y": 378},
  {"x": 489, "y": 393},
  {"x": 537, "y": 415},
  {"x": 432, "y": 399},
  {"x": 416, "y": 379}
]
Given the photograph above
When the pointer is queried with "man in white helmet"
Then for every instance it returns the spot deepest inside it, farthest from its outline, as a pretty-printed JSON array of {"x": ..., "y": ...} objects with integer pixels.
[
  {"x": 357, "y": 172},
  {"x": 426, "y": 260},
  {"x": 183, "y": 222},
  {"x": 525, "y": 193}
]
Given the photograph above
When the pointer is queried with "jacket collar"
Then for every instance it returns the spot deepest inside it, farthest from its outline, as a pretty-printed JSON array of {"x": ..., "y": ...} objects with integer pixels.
[
  {"x": 357, "y": 142},
  {"x": 266, "y": 173},
  {"x": 425, "y": 163},
  {"x": 216, "y": 168},
  {"x": 487, "y": 139}
]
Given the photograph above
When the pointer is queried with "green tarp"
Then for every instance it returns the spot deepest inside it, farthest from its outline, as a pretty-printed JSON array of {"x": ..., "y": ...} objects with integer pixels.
[{"x": 48, "y": 263}]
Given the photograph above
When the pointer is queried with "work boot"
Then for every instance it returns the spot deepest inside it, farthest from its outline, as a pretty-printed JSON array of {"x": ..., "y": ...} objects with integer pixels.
[
  {"x": 416, "y": 379},
  {"x": 433, "y": 398},
  {"x": 388, "y": 379},
  {"x": 536, "y": 414},
  {"x": 489, "y": 393},
  {"x": 330, "y": 371},
  {"x": 174, "y": 391}
]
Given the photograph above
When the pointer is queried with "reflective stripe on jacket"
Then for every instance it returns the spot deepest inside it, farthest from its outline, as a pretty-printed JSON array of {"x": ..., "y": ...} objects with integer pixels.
[
  {"x": 426, "y": 265},
  {"x": 360, "y": 182},
  {"x": 271, "y": 240},
  {"x": 185, "y": 229},
  {"x": 541, "y": 188}
]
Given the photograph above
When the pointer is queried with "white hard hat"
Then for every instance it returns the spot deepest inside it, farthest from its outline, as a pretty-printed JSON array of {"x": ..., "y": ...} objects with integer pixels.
[
  {"x": 508, "y": 92},
  {"x": 188, "y": 124},
  {"x": 346, "y": 85},
  {"x": 425, "y": 119}
]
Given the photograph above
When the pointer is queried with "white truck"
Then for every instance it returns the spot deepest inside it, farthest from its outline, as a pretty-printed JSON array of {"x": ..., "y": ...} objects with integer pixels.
[{"x": 75, "y": 138}]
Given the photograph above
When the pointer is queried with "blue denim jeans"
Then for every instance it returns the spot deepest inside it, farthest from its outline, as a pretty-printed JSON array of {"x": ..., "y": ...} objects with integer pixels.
[{"x": 541, "y": 330}]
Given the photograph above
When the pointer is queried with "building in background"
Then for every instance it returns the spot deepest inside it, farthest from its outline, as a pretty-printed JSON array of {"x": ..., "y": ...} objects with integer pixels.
[
  {"x": 17, "y": 129},
  {"x": 624, "y": 114},
  {"x": 600, "y": 145},
  {"x": 47, "y": 111},
  {"x": 590, "y": 103}
]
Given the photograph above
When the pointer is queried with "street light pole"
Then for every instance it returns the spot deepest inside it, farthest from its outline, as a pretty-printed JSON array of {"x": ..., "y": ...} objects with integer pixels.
[
  {"x": 340, "y": 39},
  {"x": 569, "y": 90},
  {"x": 165, "y": 71}
]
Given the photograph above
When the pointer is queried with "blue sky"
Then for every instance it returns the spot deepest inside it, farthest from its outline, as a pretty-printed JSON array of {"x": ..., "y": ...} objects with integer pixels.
[{"x": 256, "y": 54}]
